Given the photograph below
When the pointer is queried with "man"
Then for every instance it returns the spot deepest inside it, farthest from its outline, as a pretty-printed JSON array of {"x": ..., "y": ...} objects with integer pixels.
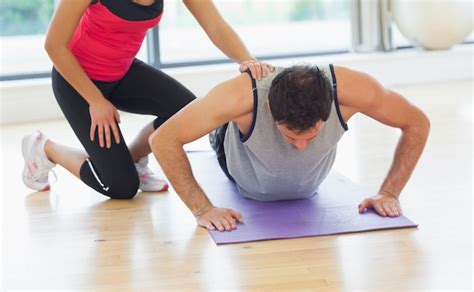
[{"x": 280, "y": 134}]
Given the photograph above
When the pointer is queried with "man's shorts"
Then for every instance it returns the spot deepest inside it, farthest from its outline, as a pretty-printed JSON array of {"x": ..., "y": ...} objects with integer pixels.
[{"x": 216, "y": 138}]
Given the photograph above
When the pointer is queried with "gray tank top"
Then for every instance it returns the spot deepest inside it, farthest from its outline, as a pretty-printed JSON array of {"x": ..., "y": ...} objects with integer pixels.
[{"x": 265, "y": 167}]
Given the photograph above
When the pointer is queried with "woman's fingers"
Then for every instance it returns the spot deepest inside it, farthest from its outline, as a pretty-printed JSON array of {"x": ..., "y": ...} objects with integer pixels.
[
  {"x": 270, "y": 67},
  {"x": 116, "y": 133},
  {"x": 92, "y": 131},
  {"x": 117, "y": 117},
  {"x": 107, "y": 135},
  {"x": 100, "y": 132},
  {"x": 265, "y": 70},
  {"x": 105, "y": 132},
  {"x": 252, "y": 69},
  {"x": 258, "y": 70}
]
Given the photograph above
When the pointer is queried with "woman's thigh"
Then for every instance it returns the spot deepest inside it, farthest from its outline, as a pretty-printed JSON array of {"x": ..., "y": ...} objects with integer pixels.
[{"x": 147, "y": 90}]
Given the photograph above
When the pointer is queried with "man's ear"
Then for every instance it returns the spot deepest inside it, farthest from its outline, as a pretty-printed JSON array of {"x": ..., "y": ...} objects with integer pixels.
[{"x": 319, "y": 124}]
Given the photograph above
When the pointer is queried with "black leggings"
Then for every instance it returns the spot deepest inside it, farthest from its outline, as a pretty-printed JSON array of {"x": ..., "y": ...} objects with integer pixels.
[{"x": 143, "y": 90}]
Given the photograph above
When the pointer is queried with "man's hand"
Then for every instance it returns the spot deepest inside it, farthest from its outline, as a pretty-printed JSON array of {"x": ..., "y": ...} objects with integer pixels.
[
  {"x": 384, "y": 205},
  {"x": 220, "y": 219}
]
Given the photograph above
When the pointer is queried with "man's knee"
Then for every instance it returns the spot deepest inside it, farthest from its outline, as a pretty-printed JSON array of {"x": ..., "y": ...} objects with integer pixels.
[{"x": 216, "y": 138}]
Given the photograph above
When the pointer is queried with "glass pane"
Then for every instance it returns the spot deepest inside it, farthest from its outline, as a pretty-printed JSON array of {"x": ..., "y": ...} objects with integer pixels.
[
  {"x": 399, "y": 40},
  {"x": 142, "y": 53},
  {"x": 267, "y": 27},
  {"x": 23, "y": 24}
]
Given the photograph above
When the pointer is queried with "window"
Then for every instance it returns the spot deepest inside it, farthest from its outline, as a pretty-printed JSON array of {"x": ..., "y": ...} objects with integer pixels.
[
  {"x": 23, "y": 25},
  {"x": 268, "y": 28}
]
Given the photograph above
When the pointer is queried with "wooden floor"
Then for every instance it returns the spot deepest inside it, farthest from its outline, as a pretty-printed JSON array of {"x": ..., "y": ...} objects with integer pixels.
[{"x": 74, "y": 238}]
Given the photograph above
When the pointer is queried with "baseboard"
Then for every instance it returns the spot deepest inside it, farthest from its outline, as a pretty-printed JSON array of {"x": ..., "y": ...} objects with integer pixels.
[{"x": 33, "y": 100}]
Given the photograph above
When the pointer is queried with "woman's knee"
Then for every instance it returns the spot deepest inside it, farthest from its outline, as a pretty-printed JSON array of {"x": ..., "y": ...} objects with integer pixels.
[
  {"x": 123, "y": 190},
  {"x": 122, "y": 185},
  {"x": 116, "y": 182}
]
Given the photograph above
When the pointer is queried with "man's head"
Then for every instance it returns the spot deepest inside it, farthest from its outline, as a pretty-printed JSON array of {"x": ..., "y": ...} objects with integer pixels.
[{"x": 300, "y": 102}]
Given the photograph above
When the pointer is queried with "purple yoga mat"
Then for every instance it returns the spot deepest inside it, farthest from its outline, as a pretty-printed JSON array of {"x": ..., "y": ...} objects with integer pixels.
[{"x": 332, "y": 210}]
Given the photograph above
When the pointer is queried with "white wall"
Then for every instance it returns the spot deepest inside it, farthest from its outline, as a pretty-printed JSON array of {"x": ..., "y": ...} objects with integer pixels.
[{"x": 33, "y": 100}]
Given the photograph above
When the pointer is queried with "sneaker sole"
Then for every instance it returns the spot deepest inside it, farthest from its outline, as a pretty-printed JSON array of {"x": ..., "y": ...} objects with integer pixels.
[{"x": 163, "y": 189}]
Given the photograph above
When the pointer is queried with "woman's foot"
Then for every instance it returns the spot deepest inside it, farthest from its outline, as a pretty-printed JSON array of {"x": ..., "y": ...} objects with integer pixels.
[
  {"x": 149, "y": 182},
  {"x": 37, "y": 165}
]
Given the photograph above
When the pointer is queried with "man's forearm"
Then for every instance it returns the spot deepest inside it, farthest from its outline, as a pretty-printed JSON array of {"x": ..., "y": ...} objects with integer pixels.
[
  {"x": 407, "y": 153},
  {"x": 175, "y": 164}
]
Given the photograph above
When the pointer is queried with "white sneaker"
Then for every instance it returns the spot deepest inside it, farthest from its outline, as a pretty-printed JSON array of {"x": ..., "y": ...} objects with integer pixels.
[
  {"x": 149, "y": 182},
  {"x": 37, "y": 165}
]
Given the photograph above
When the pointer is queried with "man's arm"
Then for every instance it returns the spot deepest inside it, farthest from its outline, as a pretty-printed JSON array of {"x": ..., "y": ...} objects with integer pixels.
[
  {"x": 359, "y": 92},
  {"x": 226, "y": 102}
]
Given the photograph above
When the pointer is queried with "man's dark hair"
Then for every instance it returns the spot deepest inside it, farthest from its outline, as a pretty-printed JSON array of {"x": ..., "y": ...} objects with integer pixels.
[{"x": 299, "y": 97}]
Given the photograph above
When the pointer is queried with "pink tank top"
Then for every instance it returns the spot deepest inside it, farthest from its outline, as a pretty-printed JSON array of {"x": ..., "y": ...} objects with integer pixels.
[{"x": 106, "y": 44}]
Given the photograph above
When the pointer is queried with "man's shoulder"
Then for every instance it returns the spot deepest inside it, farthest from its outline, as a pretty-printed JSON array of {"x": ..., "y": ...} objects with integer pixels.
[
  {"x": 355, "y": 90},
  {"x": 240, "y": 90}
]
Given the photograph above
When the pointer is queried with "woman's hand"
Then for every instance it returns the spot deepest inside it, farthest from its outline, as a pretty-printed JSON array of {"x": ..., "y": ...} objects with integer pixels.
[
  {"x": 259, "y": 70},
  {"x": 104, "y": 118}
]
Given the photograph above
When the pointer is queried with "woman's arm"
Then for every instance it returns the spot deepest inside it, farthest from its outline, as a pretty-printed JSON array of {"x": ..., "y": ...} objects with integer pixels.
[
  {"x": 224, "y": 37},
  {"x": 60, "y": 32},
  {"x": 103, "y": 114}
]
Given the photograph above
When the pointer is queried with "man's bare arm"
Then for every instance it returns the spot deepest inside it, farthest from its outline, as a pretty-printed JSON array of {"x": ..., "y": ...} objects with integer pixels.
[
  {"x": 226, "y": 102},
  {"x": 358, "y": 92}
]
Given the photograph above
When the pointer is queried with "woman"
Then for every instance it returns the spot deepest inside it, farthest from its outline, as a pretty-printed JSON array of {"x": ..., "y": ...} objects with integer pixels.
[{"x": 93, "y": 45}]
